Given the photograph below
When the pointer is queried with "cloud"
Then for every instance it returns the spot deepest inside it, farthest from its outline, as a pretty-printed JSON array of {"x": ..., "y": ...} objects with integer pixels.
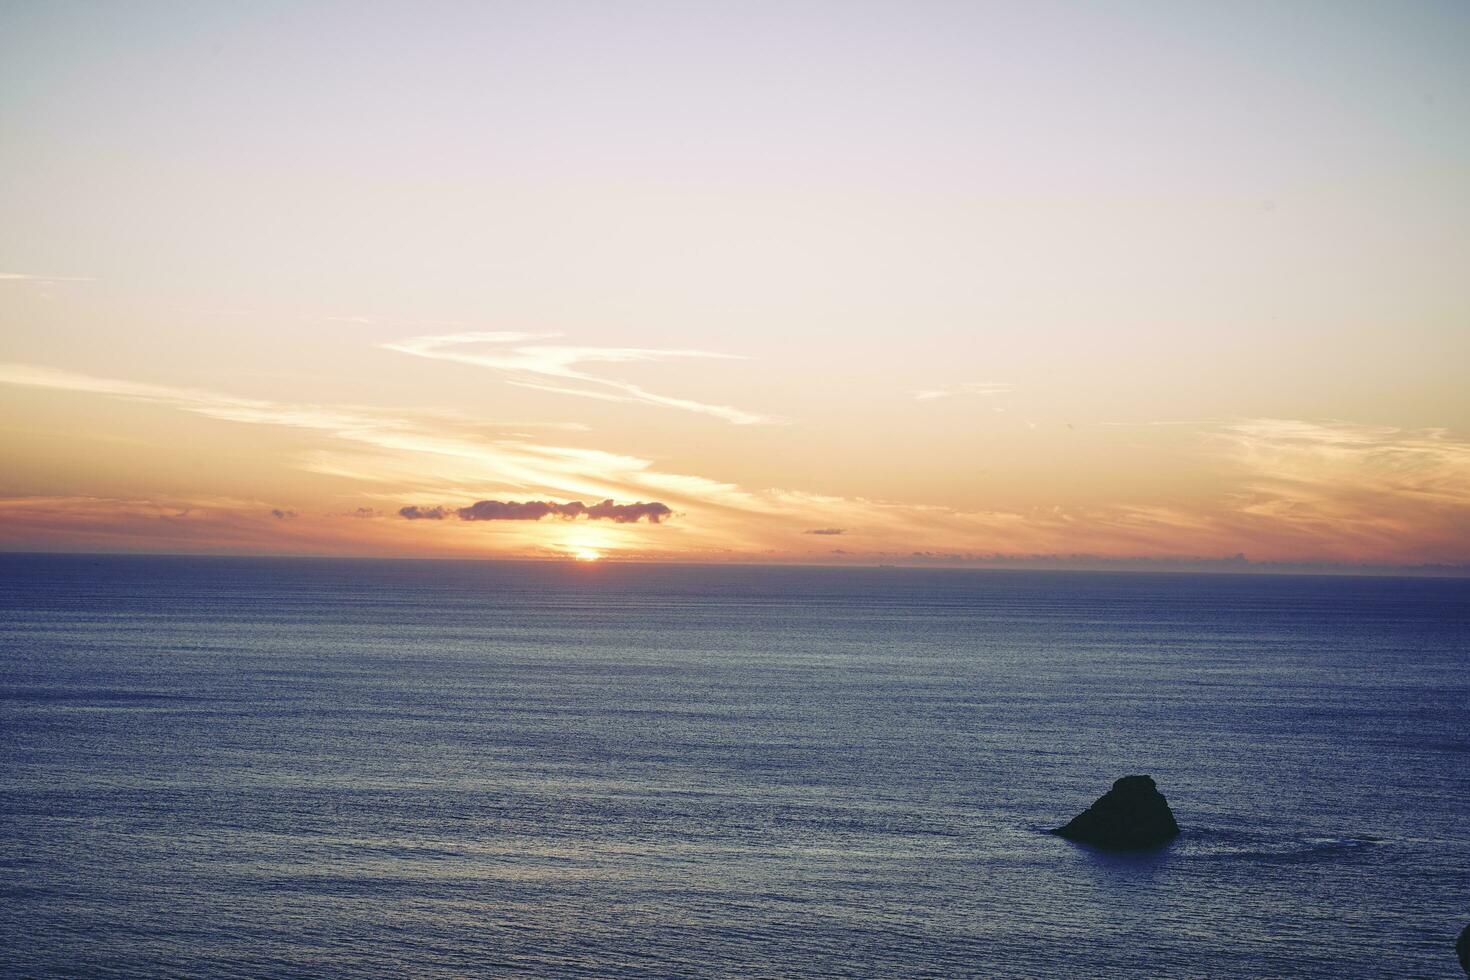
[
  {"x": 534, "y": 510},
  {"x": 986, "y": 388},
  {"x": 1342, "y": 490},
  {"x": 826, "y": 530},
  {"x": 1278, "y": 490},
  {"x": 422, "y": 513},
  {"x": 553, "y": 367},
  {"x": 628, "y": 513},
  {"x": 509, "y": 510},
  {"x": 282, "y": 515},
  {"x": 42, "y": 280}
]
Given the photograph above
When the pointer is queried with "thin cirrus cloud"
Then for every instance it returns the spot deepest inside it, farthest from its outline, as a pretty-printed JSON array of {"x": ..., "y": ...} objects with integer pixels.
[
  {"x": 1354, "y": 487},
  {"x": 535, "y": 510},
  {"x": 524, "y": 362},
  {"x": 417, "y": 452},
  {"x": 42, "y": 280},
  {"x": 1283, "y": 490},
  {"x": 983, "y": 388}
]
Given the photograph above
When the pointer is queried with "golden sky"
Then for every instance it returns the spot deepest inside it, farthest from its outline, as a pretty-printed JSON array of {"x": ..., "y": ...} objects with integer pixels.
[{"x": 904, "y": 283}]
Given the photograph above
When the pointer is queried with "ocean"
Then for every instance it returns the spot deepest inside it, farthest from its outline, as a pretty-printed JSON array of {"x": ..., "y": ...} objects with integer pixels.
[{"x": 292, "y": 767}]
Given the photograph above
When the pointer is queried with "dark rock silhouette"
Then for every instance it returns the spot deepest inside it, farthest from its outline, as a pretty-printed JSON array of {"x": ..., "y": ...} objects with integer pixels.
[
  {"x": 1131, "y": 816},
  {"x": 1462, "y": 950}
]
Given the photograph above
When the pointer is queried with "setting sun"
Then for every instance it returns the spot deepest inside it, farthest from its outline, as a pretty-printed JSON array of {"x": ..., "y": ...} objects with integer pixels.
[{"x": 586, "y": 554}]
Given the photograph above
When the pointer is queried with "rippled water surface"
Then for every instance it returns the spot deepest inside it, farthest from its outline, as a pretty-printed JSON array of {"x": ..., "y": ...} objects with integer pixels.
[{"x": 260, "y": 767}]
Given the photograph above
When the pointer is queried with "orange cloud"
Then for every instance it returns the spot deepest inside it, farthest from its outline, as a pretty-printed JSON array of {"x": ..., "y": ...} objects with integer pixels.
[{"x": 1282, "y": 490}]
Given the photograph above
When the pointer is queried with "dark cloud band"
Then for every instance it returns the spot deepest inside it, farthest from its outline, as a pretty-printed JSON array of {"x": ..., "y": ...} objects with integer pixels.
[{"x": 535, "y": 510}]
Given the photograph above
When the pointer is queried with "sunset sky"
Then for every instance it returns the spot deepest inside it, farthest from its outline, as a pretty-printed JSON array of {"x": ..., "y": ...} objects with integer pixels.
[{"x": 938, "y": 283}]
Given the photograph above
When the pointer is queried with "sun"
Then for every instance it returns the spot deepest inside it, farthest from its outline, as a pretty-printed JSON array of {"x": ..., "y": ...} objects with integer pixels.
[{"x": 586, "y": 554}]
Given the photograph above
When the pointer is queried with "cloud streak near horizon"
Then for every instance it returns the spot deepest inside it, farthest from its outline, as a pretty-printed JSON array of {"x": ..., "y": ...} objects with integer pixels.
[
  {"x": 535, "y": 510},
  {"x": 1281, "y": 489}
]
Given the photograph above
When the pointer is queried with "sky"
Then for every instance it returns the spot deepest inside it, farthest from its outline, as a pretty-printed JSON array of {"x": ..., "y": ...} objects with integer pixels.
[{"x": 907, "y": 283}]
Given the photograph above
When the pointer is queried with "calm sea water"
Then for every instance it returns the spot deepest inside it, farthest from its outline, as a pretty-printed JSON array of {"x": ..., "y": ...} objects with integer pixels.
[{"x": 350, "y": 768}]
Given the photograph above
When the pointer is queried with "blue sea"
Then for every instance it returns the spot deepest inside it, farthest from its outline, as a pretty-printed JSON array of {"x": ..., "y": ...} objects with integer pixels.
[{"x": 297, "y": 767}]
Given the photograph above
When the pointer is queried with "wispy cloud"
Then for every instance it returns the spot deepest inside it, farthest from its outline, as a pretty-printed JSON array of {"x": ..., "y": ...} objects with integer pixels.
[
  {"x": 42, "y": 280},
  {"x": 417, "y": 452},
  {"x": 1343, "y": 488},
  {"x": 983, "y": 388},
  {"x": 1284, "y": 490},
  {"x": 521, "y": 360}
]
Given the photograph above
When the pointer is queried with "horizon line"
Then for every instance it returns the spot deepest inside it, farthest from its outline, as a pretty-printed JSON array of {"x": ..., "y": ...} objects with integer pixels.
[{"x": 1041, "y": 563}]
